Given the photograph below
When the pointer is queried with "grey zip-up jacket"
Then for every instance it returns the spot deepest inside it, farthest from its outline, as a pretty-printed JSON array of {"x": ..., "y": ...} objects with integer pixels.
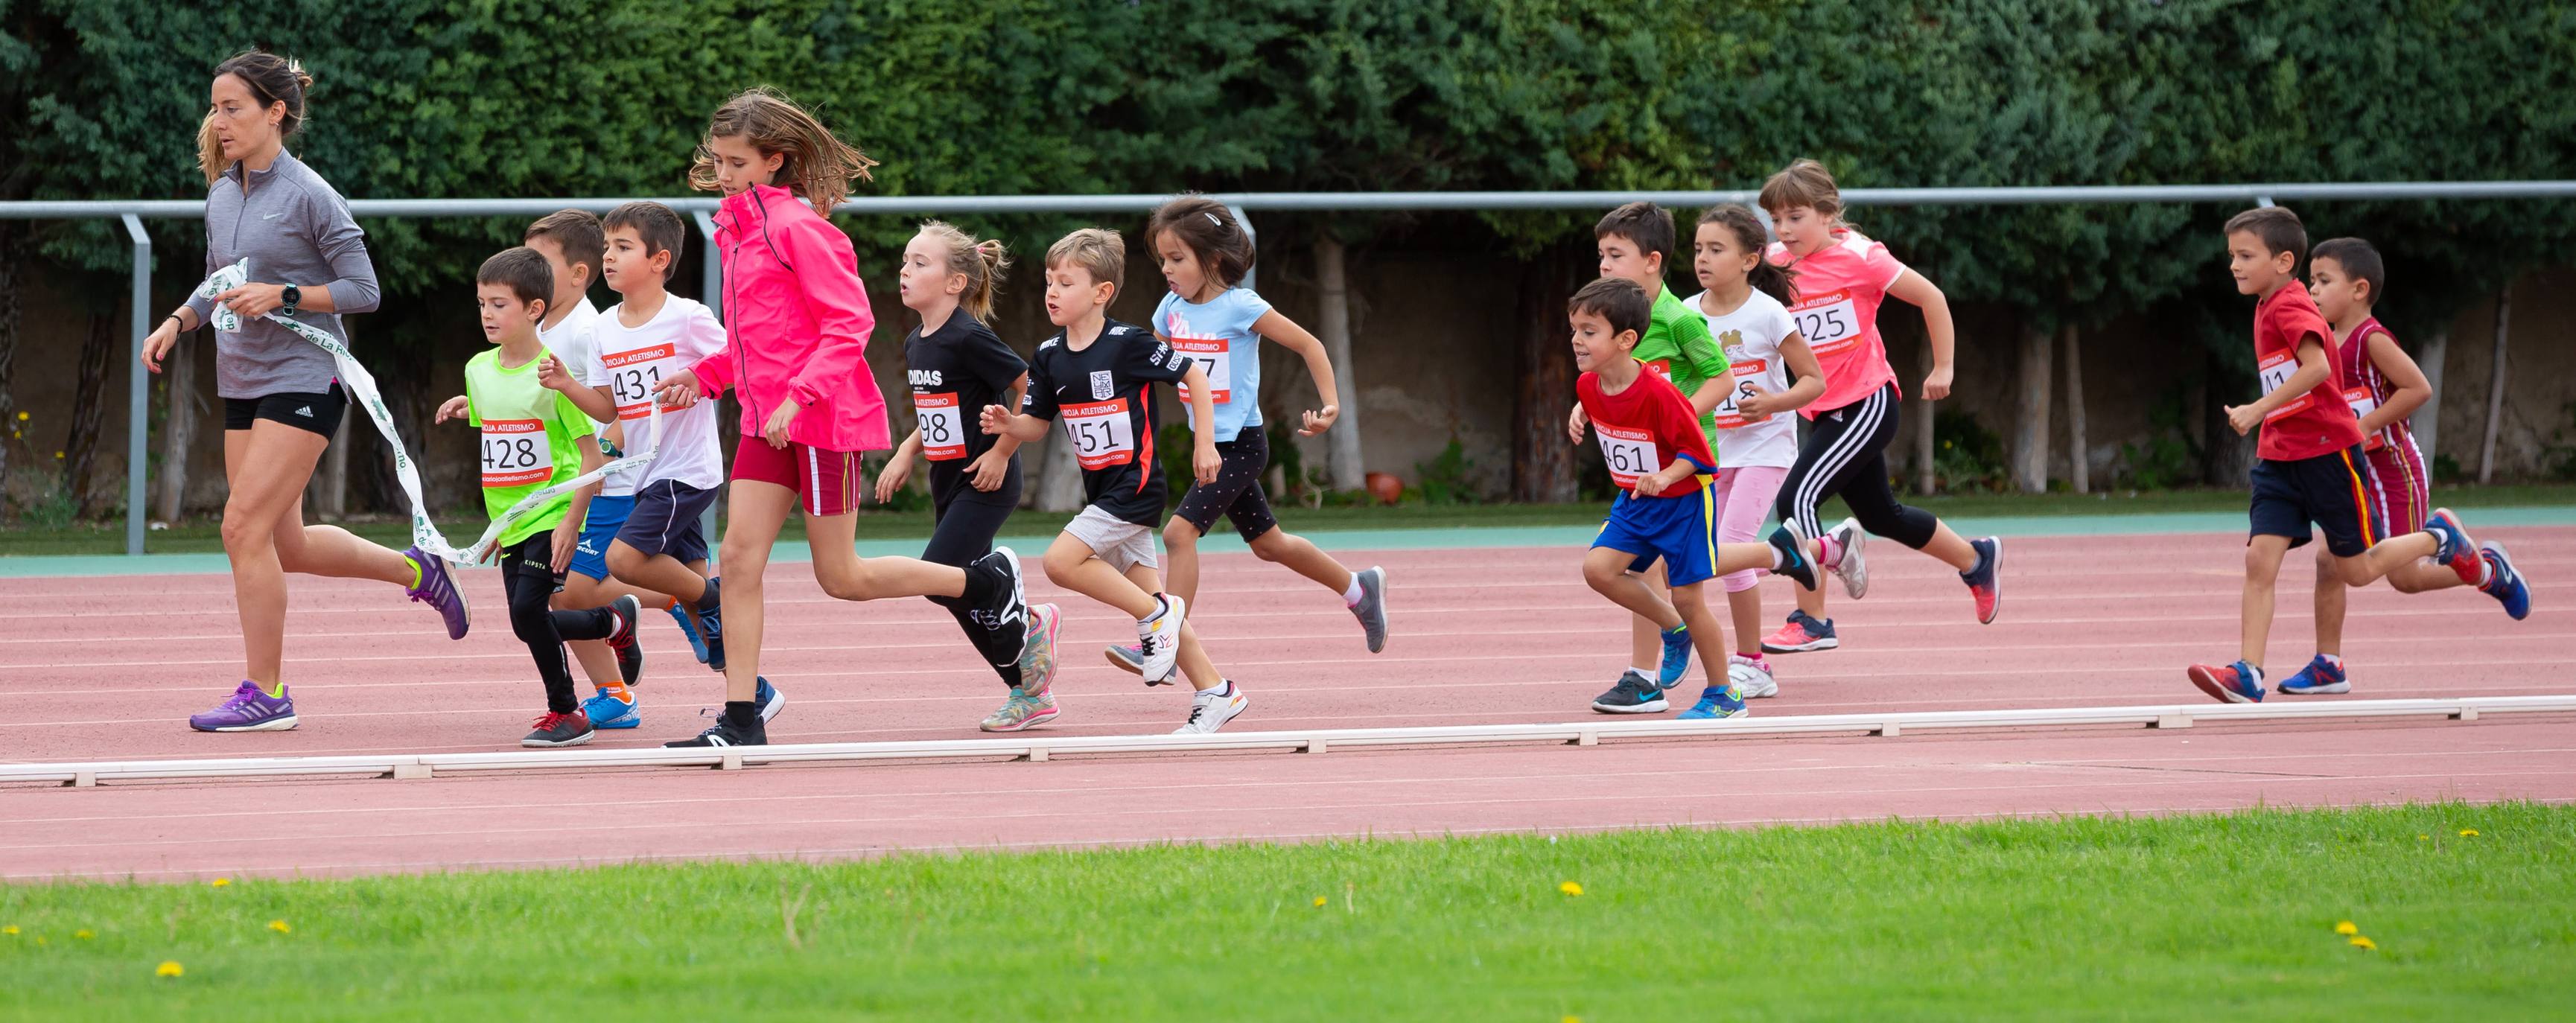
[{"x": 296, "y": 230}]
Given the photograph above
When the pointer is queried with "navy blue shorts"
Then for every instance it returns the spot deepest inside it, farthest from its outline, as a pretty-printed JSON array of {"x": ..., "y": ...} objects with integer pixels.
[
  {"x": 665, "y": 520},
  {"x": 2326, "y": 490},
  {"x": 1679, "y": 531}
]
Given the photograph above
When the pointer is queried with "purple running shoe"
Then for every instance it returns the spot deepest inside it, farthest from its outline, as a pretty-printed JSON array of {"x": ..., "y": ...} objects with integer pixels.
[
  {"x": 249, "y": 710},
  {"x": 437, "y": 589}
]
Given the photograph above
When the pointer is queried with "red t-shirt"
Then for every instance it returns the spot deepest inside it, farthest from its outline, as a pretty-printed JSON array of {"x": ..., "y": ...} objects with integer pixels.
[
  {"x": 1642, "y": 428},
  {"x": 2312, "y": 424}
]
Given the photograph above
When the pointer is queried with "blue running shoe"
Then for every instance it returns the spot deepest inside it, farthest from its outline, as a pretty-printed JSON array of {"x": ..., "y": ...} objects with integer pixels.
[
  {"x": 1717, "y": 703},
  {"x": 2505, "y": 582},
  {"x": 2455, "y": 550},
  {"x": 607, "y": 711},
  {"x": 1635, "y": 694},
  {"x": 2235, "y": 683},
  {"x": 711, "y": 618},
  {"x": 768, "y": 699},
  {"x": 2320, "y": 677},
  {"x": 1677, "y": 655},
  {"x": 697, "y": 645}
]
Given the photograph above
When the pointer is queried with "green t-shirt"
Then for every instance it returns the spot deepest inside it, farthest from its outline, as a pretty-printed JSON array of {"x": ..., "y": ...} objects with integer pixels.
[
  {"x": 1677, "y": 344},
  {"x": 529, "y": 440}
]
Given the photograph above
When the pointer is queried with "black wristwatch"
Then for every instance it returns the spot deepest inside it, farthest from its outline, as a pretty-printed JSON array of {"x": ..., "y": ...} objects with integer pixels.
[{"x": 292, "y": 295}]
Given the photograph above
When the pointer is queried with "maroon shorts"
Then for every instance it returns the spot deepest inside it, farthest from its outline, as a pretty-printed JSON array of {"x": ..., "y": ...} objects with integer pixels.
[
  {"x": 826, "y": 482},
  {"x": 2400, "y": 492}
]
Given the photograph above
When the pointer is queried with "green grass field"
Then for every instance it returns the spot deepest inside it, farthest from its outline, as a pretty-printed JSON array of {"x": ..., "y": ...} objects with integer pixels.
[
  {"x": 2154, "y": 918},
  {"x": 200, "y": 535}
]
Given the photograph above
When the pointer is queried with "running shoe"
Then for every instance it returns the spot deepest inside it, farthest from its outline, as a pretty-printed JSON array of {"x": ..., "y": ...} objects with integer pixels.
[
  {"x": 725, "y": 733},
  {"x": 1371, "y": 610},
  {"x": 2504, "y": 582},
  {"x": 1024, "y": 710},
  {"x": 688, "y": 628},
  {"x": 1635, "y": 694},
  {"x": 438, "y": 590},
  {"x": 1037, "y": 655},
  {"x": 249, "y": 709},
  {"x": 1751, "y": 676},
  {"x": 605, "y": 711},
  {"x": 768, "y": 699},
  {"x": 2235, "y": 683},
  {"x": 1985, "y": 582},
  {"x": 630, "y": 654},
  {"x": 1853, "y": 570},
  {"x": 1803, "y": 632},
  {"x": 2456, "y": 550},
  {"x": 1130, "y": 658},
  {"x": 1715, "y": 702},
  {"x": 1794, "y": 562},
  {"x": 2319, "y": 677},
  {"x": 1158, "y": 640},
  {"x": 711, "y": 619},
  {"x": 1210, "y": 709},
  {"x": 1677, "y": 655},
  {"x": 557, "y": 730}
]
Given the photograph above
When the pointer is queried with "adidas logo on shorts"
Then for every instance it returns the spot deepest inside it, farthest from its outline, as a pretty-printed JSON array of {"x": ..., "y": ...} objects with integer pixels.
[{"x": 306, "y": 412}]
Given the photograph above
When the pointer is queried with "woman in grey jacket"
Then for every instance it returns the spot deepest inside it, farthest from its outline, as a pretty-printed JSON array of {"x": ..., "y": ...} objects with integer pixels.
[{"x": 282, "y": 399}]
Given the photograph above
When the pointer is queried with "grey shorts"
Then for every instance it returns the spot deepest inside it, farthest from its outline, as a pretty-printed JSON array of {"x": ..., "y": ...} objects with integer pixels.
[{"x": 1123, "y": 544}]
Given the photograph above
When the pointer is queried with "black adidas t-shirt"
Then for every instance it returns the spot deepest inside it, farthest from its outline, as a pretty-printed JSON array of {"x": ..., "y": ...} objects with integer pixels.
[
  {"x": 955, "y": 371},
  {"x": 1104, "y": 395}
]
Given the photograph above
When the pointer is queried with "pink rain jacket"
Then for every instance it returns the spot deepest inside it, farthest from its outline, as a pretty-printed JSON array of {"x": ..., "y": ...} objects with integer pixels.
[{"x": 796, "y": 324}]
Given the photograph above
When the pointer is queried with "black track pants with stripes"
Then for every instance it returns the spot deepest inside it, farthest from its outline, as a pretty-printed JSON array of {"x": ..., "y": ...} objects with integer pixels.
[{"x": 1846, "y": 454}]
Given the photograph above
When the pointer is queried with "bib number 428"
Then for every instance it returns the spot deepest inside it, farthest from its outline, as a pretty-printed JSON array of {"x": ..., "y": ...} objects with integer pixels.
[{"x": 515, "y": 453}]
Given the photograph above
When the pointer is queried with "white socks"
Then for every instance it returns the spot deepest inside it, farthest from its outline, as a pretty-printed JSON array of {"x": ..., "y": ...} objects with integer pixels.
[{"x": 1351, "y": 597}]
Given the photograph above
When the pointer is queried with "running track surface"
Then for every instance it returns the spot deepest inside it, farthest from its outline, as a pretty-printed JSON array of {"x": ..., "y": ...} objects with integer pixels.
[{"x": 108, "y": 667}]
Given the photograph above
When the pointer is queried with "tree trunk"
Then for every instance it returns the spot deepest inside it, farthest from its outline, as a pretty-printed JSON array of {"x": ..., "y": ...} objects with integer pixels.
[
  {"x": 2495, "y": 386},
  {"x": 2426, "y": 423},
  {"x": 1926, "y": 480},
  {"x": 9, "y": 283},
  {"x": 1342, "y": 442},
  {"x": 2227, "y": 458},
  {"x": 1059, "y": 476},
  {"x": 80, "y": 449},
  {"x": 328, "y": 489},
  {"x": 2030, "y": 430},
  {"x": 179, "y": 429},
  {"x": 1543, "y": 464},
  {"x": 2079, "y": 452}
]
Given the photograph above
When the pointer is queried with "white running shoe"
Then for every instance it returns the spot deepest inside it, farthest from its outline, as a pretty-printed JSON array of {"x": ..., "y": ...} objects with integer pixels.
[
  {"x": 1853, "y": 571},
  {"x": 1751, "y": 677},
  {"x": 1212, "y": 708},
  {"x": 1159, "y": 640}
]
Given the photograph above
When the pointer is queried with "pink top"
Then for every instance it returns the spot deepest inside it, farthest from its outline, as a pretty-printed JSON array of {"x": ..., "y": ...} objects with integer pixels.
[
  {"x": 797, "y": 324},
  {"x": 1840, "y": 288}
]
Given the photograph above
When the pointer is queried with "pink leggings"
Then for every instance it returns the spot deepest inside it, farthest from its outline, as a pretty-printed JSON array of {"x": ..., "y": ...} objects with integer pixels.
[{"x": 1744, "y": 498}]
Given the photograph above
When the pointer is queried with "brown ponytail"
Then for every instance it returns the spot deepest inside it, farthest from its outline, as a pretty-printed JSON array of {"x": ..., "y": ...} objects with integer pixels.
[
  {"x": 982, "y": 263},
  {"x": 210, "y": 151}
]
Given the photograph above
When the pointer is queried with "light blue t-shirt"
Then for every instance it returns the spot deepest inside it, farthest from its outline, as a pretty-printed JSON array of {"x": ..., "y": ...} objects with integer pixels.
[{"x": 1219, "y": 335}]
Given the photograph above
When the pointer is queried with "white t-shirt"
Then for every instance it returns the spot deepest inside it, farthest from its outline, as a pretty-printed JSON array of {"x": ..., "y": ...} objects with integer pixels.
[
  {"x": 1751, "y": 336},
  {"x": 569, "y": 340},
  {"x": 630, "y": 360}
]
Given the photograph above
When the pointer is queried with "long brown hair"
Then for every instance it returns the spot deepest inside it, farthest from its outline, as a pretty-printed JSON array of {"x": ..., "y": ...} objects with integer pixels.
[
  {"x": 1771, "y": 279},
  {"x": 1210, "y": 232},
  {"x": 819, "y": 166},
  {"x": 982, "y": 262}
]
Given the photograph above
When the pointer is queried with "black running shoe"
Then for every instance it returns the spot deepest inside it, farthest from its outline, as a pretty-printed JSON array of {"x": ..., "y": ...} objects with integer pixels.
[
  {"x": 559, "y": 730},
  {"x": 1635, "y": 694},
  {"x": 711, "y": 625},
  {"x": 630, "y": 654},
  {"x": 725, "y": 733},
  {"x": 1794, "y": 563}
]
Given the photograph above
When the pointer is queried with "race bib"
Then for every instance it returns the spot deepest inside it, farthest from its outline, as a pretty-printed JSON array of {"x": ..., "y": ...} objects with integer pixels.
[
  {"x": 1101, "y": 433},
  {"x": 1830, "y": 321},
  {"x": 2275, "y": 371},
  {"x": 1663, "y": 368},
  {"x": 515, "y": 453},
  {"x": 632, "y": 376},
  {"x": 1214, "y": 357},
  {"x": 943, "y": 425},
  {"x": 2364, "y": 401},
  {"x": 1727, "y": 416},
  {"x": 1629, "y": 452}
]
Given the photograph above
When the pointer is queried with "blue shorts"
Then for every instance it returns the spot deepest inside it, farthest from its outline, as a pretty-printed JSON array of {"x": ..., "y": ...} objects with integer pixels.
[
  {"x": 590, "y": 556},
  {"x": 2327, "y": 490},
  {"x": 665, "y": 520},
  {"x": 1679, "y": 531}
]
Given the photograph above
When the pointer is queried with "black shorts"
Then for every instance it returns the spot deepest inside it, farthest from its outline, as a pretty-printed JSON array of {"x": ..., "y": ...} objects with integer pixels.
[
  {"x": 1237, "y": 492},
  {"x": 303, "y": 410},
  {"x": 665, "y": 520},
  {"x": 2325, "y": 490}
]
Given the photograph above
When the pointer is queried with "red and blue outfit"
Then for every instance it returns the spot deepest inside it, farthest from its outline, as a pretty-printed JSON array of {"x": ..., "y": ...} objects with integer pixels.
[
  {"x": 2309, "y": 459},
  {"x": 1641, "y": 430}
]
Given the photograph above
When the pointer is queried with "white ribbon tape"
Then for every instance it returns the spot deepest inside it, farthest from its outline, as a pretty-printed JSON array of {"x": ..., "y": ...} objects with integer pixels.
[{"x": 362, "y": 384}]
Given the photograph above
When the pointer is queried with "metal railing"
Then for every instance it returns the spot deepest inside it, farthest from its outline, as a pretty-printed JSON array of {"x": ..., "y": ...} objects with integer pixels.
[{"x": 701, "y": 208}]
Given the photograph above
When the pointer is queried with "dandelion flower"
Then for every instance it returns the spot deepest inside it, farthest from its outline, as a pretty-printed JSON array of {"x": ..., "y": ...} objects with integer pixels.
[
  {"x": 2347, "y": 929},
  {"x": 84, "y": 934},
  {"x": 1319, "y": 902},
  {"x": 222, "y": 882},
  {"x": 170, "y": 968},
  {"x": 2468, "y": 832},
  {"x": 58, "y": 455},
  {"x": 279, "y": 926},
  {"x": 1570, "y": 888},
  {"x": 2364, "y": 943},
  {"x": 2423, "y": 838},
  {"x": 11, "y": 930},
  {"x": 22, "y": 417}
]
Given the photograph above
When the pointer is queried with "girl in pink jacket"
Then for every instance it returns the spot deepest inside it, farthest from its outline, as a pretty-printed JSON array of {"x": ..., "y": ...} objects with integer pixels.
[{"x": 797, "y": 324}]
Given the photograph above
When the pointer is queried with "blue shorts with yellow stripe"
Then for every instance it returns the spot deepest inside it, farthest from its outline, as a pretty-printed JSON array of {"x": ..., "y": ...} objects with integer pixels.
[{"x": 1680, "y": 531}]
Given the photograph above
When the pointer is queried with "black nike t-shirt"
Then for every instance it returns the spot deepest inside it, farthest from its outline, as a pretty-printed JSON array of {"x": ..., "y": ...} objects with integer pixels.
[
  {"x": 955, "y": 371},
  {"x": 1104, "y": 394}
]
